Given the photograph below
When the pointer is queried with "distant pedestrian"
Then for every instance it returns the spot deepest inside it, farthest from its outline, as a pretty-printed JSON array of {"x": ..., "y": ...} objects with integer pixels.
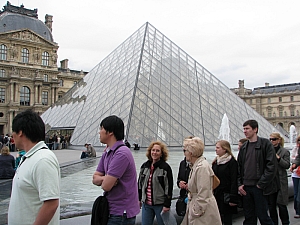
[{"x": 7, "y": 164}]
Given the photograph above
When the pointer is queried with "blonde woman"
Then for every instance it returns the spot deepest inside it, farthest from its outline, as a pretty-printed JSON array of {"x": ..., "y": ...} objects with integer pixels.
[
  {"x": 202, "y": 207},
  {"x": 7, "y": 164},
  {"x": 281, "y": 199},
  {"x": 225, "y": 167}
]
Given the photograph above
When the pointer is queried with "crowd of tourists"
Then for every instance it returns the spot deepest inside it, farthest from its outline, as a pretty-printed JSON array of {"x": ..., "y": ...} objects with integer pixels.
[{"x": 255, "y": 180}]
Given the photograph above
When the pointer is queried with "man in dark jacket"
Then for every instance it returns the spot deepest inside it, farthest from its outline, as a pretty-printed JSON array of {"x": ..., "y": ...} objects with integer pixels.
[{"x": 257, "y": 170}]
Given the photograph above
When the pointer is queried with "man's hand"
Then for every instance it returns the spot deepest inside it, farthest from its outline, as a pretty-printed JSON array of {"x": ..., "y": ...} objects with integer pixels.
[
  {"x": 241, "y": 190},
  {"x": 293, "y": 167}
]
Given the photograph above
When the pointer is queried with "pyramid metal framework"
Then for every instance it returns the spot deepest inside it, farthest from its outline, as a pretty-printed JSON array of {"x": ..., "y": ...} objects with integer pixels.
[{"x": 159, "y": 91}]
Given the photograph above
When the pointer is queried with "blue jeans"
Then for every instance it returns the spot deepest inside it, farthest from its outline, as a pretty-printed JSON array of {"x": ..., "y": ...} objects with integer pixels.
[
  {"x": 148, "y": 213},
  {"x": 296, "y": 182},
  {"x": 120, "y": 220},
  {"x": 255, "y": 206}
]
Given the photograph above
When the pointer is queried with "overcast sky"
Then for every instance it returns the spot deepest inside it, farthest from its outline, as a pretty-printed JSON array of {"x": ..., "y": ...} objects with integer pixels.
[{"x": 256, "y": 41}]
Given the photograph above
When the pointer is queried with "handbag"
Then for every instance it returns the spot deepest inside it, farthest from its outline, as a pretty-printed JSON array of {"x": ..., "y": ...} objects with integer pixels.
[
  {"x": 216, "y": 182},
  {"x": 298, "y": 171},
  {"x": 100, "y": 211},
  {"x": 181, "y": 206}
]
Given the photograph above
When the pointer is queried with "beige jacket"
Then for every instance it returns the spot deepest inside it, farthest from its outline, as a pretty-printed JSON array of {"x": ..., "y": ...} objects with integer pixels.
[{"x": 202, "y": 206}]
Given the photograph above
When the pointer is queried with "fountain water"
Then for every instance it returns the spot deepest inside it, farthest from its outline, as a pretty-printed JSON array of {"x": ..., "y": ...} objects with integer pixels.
[
  {"x": 293, "y": 135},
  {"x": 224, "y": 133}
]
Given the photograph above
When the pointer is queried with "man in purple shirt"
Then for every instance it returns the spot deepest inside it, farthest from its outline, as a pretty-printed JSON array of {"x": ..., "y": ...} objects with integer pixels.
[{"x": 116, "y": 174}]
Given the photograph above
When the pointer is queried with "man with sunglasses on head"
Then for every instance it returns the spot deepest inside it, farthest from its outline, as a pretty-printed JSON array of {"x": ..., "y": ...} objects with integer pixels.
[{"x": 257, "y": 172}]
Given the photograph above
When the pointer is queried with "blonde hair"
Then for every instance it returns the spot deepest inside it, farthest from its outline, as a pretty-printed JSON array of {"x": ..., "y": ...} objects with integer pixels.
[
  {"x": 226, "y": 146},
  {"x": 277, "y": 135},
  {"x": 164, "y": 150},
  {"x": 5, "y": 151},
  {"x": 194, "y": 145}
]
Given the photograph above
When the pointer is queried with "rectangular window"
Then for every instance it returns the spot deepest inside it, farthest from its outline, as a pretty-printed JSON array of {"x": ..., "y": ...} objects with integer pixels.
[
  {"x": 280, "y": 99},
  {"x": 292, "y": 98},
  {"x": 3, "y": 52},
  {"x": 45, "y": 78},
  {"x": 292, "y": 112},
  {"x": 280, "y": 112},
  {"x": 2, "y": 73},
  {"x": 45, "y": 98},
  {"x": 25, "y": 55},
  {"x": 269, "y": 100},
  {"x": 269, "y": 113},
  {"x": 2, "y": 95}
]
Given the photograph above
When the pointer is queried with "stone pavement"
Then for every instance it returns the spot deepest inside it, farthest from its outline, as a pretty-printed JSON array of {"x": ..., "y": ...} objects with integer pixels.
[{"x": 67, "y": 157}]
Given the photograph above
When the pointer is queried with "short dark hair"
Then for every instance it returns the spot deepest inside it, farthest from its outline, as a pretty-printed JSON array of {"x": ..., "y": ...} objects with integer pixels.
[
  {"x": 115, "y": 125},
  {"x": 31, "y": 125},
  {"x": 252, "y": 123}
]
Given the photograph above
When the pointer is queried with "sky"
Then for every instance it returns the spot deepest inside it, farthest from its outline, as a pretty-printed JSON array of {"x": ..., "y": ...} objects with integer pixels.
[{"x": 257, "y": 41}]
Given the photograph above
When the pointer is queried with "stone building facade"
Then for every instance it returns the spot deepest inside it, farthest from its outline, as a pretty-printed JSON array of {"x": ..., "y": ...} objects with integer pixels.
[
  {"x": 29, "y": 75},
  {"x": 279, "y": 104}
]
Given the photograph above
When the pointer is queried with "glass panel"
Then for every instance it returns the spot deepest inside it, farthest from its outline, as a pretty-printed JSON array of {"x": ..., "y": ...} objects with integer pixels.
[{"x": 158, "y": 90}]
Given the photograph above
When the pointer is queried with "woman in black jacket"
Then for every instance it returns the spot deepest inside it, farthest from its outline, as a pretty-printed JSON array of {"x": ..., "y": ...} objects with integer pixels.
[{"x": 225, "y": 168}]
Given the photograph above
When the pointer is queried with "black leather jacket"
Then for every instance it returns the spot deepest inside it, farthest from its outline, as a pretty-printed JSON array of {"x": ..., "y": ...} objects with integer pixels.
[{"x": 266, "y": 165}]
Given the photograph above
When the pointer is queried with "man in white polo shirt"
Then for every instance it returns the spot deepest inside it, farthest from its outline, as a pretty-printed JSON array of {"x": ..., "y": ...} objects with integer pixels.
[{"x": 35, "y": 190}]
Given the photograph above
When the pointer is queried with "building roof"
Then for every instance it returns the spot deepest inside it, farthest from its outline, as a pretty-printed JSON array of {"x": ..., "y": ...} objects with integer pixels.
[
  {"x": 276, "y": 88},
  {"x": 18, "y": 18}
]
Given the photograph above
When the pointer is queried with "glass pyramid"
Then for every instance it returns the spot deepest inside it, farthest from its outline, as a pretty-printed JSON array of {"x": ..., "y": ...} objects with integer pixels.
[{"x": 159, "y": 91}]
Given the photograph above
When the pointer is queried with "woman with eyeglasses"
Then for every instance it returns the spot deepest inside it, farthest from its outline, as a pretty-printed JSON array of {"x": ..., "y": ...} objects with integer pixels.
[
  {"x": 202, "y": 206},
  {"x": 296, "y": 178},
  {"x": 280, "y": 199},
  {"x": 155, "y": 184}
]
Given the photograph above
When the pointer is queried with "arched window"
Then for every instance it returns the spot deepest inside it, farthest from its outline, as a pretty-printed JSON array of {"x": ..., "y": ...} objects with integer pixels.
[
  {"x": 2, "y": 73},
  {"x": 45, "y": 77},
  {"x": 45, "y": 59},
  {"x": 25, "y": 55},
  {"x": 3, "y": 52},
  {"x": 25, "y": 96}
]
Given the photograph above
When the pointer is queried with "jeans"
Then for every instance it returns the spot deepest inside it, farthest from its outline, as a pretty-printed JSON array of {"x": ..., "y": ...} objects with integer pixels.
[
  {"x": 148, "y": 213},
  {"x": 296, "y": 182},
  {"x": 283, "y": 214},
  {"x": 255, "y": 205},
  {"x": 120, "y": 220}
]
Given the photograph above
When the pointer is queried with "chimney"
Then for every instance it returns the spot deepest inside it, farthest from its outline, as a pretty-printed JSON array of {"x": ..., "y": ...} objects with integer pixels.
[
  {"x": 267, "y": 84},
  {"x": 64, "y": 64},
  {"x": 241, "y": 84},
  {"x": 49, "y": 21}
]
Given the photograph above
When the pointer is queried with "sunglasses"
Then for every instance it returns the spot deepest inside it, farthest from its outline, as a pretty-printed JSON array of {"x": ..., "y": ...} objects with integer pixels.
[
  {"x": 184, "y": 150},
  {"x": 273, "y": 139}
]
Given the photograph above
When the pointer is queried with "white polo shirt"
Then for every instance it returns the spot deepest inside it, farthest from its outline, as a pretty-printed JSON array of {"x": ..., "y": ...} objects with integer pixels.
[{"x": 37, "y": 179}]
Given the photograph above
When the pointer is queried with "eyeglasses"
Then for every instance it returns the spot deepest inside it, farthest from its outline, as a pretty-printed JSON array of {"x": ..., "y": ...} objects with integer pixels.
[
  {"x": 298, "y": 140},
  {"x": 273, "y": 139},
  {"x": 184, "y": 150}
]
